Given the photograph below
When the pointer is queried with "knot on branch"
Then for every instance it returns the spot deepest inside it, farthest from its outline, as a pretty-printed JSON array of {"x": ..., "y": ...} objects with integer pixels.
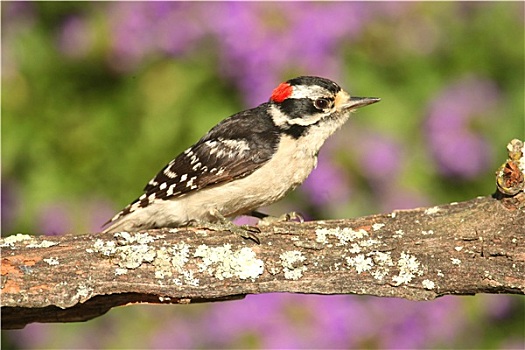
[{"x": 510, "y": 177}]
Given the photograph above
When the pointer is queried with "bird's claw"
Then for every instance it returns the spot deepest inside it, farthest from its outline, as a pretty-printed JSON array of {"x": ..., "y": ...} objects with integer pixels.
[
  {"x": 249, "y": 232},
  {"x": 291, "y": 216}
]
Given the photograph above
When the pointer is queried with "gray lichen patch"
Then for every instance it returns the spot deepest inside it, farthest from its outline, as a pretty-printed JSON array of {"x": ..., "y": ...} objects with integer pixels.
[
  {"x": 83, "y": 293},
  {"x": 431, "y": 211},
  {"x": 365, "y": 243},
  {"x": 364, "y": 250},
  {"x": 409, "y": 267},
  {"x": 222, "y": 262},
  {"x": 132, "y": 256},
  {"x": 356, "y": 249},
  {"x": 186, "y": 278},
  {"x": 360, "y": 263},
  {"x": 43, "y": 244},
  {"x": 27, "y": 241},
  {"x": 398, "y": 234},
  {"x": 428, "y": 284},
  {"x": 293, "y": 264},
  {"x": 121, "y": 271},
  {"x": 124, "y": 238},
  {"x": 107, "y": 248},
  {"x": 180, "y": 255},
  {"x": 382, "y": 263},
  {"x": 172, "y": 260},
  {"x": 10, "y": 241},
  {"x": 130, "y": 250},
  {"x": 455, "y": 261},
  {"x": 162, "y": 263},
  {"x": 344, "y": 235},
  {"x": 377, "y": 226},
  {"x": 379, "y": 265},
  {"x": 522, "y": 158},
  {"x": 364, "y": 254},
  {"x": 51, "y": 261}
]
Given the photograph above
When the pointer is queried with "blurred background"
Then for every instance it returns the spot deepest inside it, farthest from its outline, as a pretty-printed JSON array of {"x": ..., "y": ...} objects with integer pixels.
[{"x": 97, "y": 97}]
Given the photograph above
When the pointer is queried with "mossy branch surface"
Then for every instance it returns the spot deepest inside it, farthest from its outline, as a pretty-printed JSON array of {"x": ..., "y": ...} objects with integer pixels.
[{"x": 477, "y": 246}]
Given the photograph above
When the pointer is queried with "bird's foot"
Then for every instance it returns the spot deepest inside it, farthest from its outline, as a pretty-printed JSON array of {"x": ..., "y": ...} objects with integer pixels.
[
  {"x": 223, "y": 224},
  {"x": 268, "y": 220}
]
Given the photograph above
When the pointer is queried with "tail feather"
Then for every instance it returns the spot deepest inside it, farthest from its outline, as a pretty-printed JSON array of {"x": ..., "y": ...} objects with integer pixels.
[
  {"x": 131, "y": 219},
  {"x": 113, "y": 219},
  {"x": 116, "y": 224},
  {"x": 130, "y": 208}
]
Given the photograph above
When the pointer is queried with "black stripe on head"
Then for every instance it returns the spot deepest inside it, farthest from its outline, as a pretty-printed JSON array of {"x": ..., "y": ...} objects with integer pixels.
[
  {"x": 310, "y": 80},
  {"x": 298, "y": 107}
]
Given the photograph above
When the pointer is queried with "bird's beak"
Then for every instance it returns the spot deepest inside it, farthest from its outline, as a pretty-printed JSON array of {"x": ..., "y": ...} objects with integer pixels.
[
  {"x": 343, "y": 101},
  {"x": 357, "y": 102}
]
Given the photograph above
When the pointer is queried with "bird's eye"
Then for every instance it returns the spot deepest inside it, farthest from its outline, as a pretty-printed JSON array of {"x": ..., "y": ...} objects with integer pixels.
[{"x": 322, "y": 103}]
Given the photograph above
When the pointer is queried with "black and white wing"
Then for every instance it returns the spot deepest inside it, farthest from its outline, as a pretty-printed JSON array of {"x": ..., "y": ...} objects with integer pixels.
[{"x": 233, "y": 149}]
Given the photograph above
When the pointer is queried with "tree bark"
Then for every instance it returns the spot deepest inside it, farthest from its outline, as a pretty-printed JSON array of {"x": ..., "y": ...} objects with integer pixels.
[{"x": 477, "y": 246}]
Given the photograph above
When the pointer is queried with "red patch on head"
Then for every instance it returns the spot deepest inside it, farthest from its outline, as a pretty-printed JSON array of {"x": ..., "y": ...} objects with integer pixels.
[{"x": 281, "y": 93}]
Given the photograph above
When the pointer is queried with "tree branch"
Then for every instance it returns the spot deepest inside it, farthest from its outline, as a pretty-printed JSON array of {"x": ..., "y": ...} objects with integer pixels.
[{"x": 477, "y": 246}]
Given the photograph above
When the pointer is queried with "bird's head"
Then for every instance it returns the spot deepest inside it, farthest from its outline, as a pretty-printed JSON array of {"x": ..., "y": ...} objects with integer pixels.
[{"x": 310, "y": 100}]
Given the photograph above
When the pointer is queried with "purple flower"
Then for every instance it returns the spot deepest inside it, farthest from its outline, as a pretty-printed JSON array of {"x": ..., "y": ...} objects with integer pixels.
[
  {"x": 498, "y": 307},
  {"x": 75, "y": 38},
  {"x": 257, "y": 43},
  {"x": 380, "y": 157},
  {"x": 41, "y": 335},
  {"x": 227, "y": 323},
  {"x": 245, "y": 220},
  {"x": 17, "y": 14},
  {"x": 339, "y": 321},
  {"x": 284, "y": 321},
  {"x": 31, "y": 337},
  {"x": 276, "y": 321},
  {"x": 176, "y": 333},
  {"x": 18, "y": 17},
  {"x": 458, "y": 150},
  {"x": 412, "y": 325},
  {"x": 54, "y": 219},
  {"x": 380, "y": 161},
  {"x": 394, "y": 197},
  {"x": 327, "y": 184},
  {"x": 99, "y": 211},
  {"x": 144, "y": 28},
  {"x": 261, "y": 42}
]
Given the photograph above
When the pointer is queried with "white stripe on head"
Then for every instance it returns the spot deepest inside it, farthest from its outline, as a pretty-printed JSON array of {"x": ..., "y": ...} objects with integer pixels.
[
  {"x": 312, "y": 92},
  {"x": 280, "y": 119}
]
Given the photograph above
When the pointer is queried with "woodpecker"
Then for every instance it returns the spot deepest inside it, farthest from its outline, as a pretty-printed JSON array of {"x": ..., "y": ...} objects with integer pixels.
[{"x": 248, "y": 160}]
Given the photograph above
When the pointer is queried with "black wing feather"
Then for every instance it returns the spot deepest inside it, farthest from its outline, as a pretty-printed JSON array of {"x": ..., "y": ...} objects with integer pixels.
[{"x": 233, "y": 149}]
